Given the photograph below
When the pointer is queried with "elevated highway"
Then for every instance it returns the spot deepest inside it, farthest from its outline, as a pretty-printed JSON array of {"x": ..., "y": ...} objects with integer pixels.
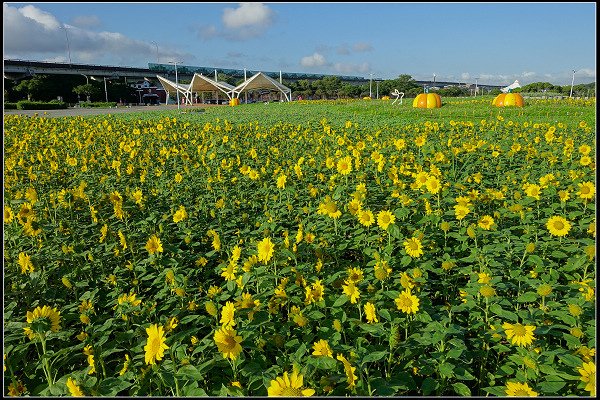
[{"x": 19, "y": 69}]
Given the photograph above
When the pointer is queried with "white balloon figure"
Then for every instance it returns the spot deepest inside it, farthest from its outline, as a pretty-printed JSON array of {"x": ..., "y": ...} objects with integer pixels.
[{"x": 399, "y": 95}]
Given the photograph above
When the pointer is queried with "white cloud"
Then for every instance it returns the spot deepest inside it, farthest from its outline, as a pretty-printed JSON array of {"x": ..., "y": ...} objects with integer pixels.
[
  {"x": 208, "y": 32},
  {"x": 86, "y": 21},
  {"x": 349, "y": 68},
  {"x": 43, "y": 18},
  {"x": 31, "y": 33},
  {"x": 465, "y": 75},
  {"x": 314, "y": 60},
  {"x": 528, "y": 74},
  {"x": 248, "y": 20},
  {"x": 361, "y": 47}
]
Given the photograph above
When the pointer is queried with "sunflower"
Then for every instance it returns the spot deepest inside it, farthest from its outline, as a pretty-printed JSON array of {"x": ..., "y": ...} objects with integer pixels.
[
  {"x": 321, "y": 348},
  {"x": 486, "y": 222},
  {"x": 155, "y": 346},
  {"x": 518, "y": 334},
  {"x": 519, "y": 389},
  {"x": 8, "y": 215},
  {"x": 587, "y": 190},
  {"x": 344, "y": 165},
  {"x": 180, "y": 215},
  {"x": 349, "y": 370},
  {"x": 355, "y": 274},
  {"x": 73, "y": 388},
  {"x": 228, "y": 342},
  {"x": 153, "y": 245},
  {"x": 407, "y": 303},
  {"x": 227, "y": 315},
  {"x": 461, "y": 211},
  {"x": 533, "y": 190},
  {"x": 265, "y": 250},
  {"x": 385, "y": 219},
  {"x": 558, "y": 226},
  {"x": 289, "y": 386},
  {"x": 588, "y": 375},
  {"x": 366, "y": 218},
  {"x": 413, "y": 247},
  {"x": 351, "y": 291},
  {"x": 25, "y": 263},
  {"x": 370, "y": 313},
  {"x": 433, "y": 184},
  {"x": 41, "y": 320},
  {"x": 281, "y": 179}
]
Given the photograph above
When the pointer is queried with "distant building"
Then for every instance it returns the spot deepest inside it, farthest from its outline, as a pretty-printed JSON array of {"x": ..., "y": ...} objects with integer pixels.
[{"x": 149, "y": 93}]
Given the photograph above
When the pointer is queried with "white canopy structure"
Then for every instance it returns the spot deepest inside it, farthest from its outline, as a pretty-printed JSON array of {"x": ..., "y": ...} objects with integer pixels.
[
  {"x": 262, "y": 81},
  {"x": 201, "y": 83},
  {"x": 510, "y": 87},
  {"x": 171, "y": 86}
]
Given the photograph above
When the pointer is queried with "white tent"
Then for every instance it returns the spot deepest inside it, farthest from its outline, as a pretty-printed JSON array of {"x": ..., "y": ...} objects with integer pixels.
[
  {"x": 510, "y": 87},
  {"x": 201, "y": 83},
  {"x": 171, "y": 86},
  {"x": 262, "y": 81}
]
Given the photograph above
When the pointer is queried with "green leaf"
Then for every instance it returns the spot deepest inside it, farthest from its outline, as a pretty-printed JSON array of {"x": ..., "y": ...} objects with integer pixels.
[
  {"x": 461, "y": 389},
  {"x": 429, "y": 385},
  {"x": 446, "y": 369},
  {"x": 552, "y": 386},
  {"x": 343, "y": 299},
  {"x": 112, "y": 386},
  {"x": 190, "y": 371},
  {"x": 527, "y": 297},
  {"x": 375, "y": 356}
]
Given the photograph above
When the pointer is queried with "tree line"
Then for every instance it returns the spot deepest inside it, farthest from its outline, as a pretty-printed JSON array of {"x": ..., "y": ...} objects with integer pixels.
[{"x": 75, "y": 88}]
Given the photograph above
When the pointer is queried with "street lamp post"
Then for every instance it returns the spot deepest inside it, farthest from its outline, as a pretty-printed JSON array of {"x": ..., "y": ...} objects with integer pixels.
[
  {"x": 105, "y": 91},
  {"x": 176, "y": 81},
  {"x": 371, "y": 86},
  {"x": 572, "y": 82},
  {"x": 476, "y": 86},
  {"x": 156, "y": 44}
]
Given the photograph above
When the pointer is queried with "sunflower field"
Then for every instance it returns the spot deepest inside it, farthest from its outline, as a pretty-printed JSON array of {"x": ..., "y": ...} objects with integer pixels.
[{"x": 324, "y": 248}]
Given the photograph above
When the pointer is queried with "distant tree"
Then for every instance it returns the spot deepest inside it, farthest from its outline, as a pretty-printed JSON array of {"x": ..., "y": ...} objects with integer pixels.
[
  {"x": 32, "y": 87},
  {"x": 348, "y": 90},
  {"x": 452, "y": 91},
  {"x": 87, "y": 90}
]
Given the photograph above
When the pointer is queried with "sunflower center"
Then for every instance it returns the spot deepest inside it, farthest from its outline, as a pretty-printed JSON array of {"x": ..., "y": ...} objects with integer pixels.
[
  {"x": 519, "y": 330},
  {"x": 405, "y": 302},
  {"x": 521, "y": 392},
  {"x": 559, "y": 225},
  {"x": 414, "y": 246},
  {"x": 585, "y": 190},
  {"x": 291, "y": 392},
  {"x": 230, "y": 341}
]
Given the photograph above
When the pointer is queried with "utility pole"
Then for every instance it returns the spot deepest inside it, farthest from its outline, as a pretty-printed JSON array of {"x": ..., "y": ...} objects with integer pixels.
[
  {"x": 371, "y": 86},
  {"x": 67, "y": 37}
]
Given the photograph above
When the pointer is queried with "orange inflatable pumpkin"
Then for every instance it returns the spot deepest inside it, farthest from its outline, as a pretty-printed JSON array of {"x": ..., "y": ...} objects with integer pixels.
[
  {"x": 427, "y": 100},
  {"x": 508, "y": 100}
]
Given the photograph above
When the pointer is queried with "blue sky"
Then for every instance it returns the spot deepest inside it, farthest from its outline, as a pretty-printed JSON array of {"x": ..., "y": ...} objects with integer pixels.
[{"x": 494, "y": 42}]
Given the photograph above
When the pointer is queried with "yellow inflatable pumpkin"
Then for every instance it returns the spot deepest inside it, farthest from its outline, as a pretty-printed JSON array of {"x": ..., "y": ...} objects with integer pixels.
[
  {"x": 234, "y": 102},
  {"x": 508, "y": 100},
  {"x": 427, "y": 100}
]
